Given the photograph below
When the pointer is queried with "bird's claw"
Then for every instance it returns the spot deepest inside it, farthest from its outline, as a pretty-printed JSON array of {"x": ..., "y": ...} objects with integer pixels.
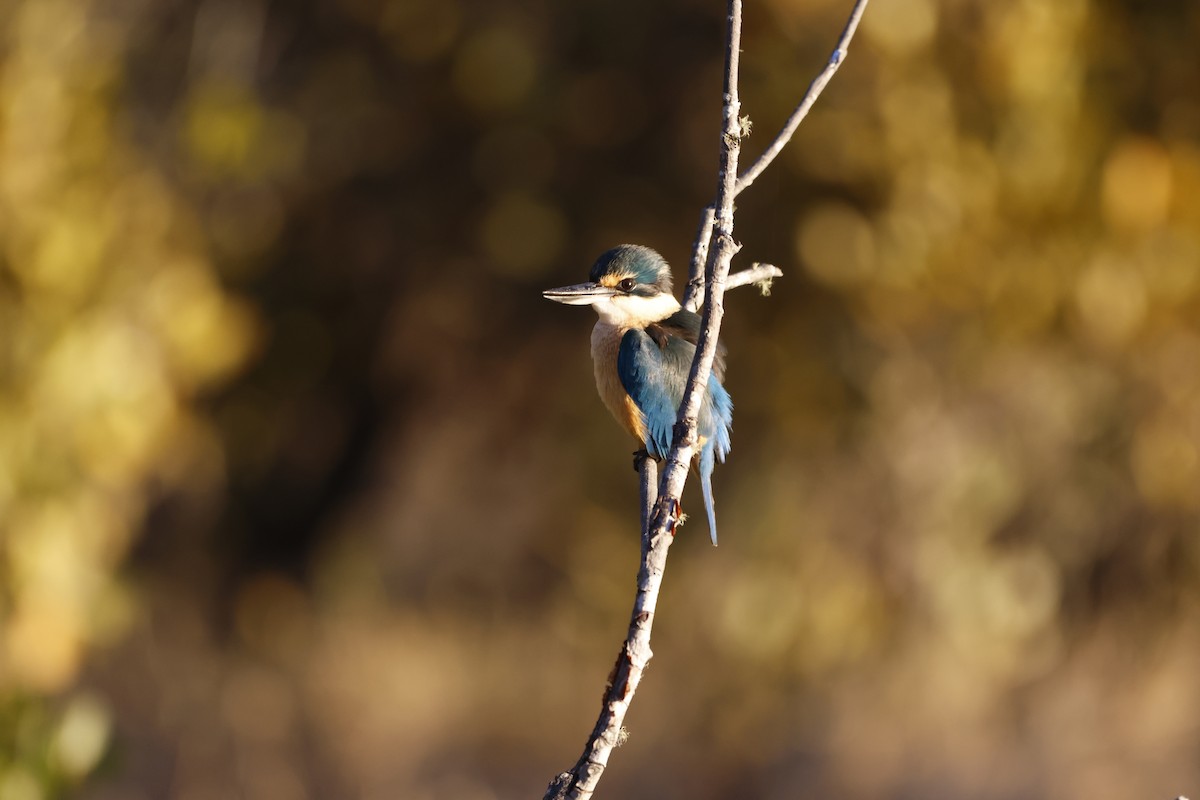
[{"x": 639, "y": 458}]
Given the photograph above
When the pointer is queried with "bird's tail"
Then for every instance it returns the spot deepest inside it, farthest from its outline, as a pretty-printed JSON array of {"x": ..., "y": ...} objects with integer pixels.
[{"x": 706, "y": 469}]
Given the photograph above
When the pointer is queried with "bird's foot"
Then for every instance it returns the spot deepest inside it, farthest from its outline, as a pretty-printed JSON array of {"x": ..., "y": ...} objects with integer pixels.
[{"x": 639, "y": 458}]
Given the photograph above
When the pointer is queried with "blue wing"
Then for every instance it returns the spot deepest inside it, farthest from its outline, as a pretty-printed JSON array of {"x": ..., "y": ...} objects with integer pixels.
[
  {"x": 653, "y": 366},
  {"x": 650, "y": 376}
]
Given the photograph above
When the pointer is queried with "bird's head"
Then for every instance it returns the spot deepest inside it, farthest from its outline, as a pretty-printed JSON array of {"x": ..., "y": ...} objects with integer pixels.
[{"x": 629, "y": 285}]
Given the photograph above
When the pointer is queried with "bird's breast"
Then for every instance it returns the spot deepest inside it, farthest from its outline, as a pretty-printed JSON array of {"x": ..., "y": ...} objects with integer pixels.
[{"x": 606, "y": 345}]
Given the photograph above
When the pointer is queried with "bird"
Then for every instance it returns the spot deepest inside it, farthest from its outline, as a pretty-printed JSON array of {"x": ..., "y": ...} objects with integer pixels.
[{"x": 642, "y": 350}]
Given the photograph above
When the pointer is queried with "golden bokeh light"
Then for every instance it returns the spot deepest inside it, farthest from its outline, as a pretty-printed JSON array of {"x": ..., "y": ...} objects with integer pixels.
[
  {"x": 837, "y": 245},
  {"x": 495, "y": 70},
  {"x": 1136, "y": 190},
  {"x": 523, "y": 234}
]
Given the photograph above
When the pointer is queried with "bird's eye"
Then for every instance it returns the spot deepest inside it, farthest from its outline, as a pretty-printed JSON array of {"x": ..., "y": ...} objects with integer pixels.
[{"x": 627, "y": 285}]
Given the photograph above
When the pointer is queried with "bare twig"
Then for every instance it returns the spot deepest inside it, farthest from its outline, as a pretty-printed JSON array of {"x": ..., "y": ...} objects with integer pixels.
[
  {"x": 649, "y": 474},
  {"x": 714, "y": 250},
  {"x": 758, "y": 274},
  {"x": 814, "y": 91},
  {"x": 704, "y": 233},
  {"x": 693, "y": 292},
  {"x": 721, "y": 248},
  {"x": 635, "y": 654}
]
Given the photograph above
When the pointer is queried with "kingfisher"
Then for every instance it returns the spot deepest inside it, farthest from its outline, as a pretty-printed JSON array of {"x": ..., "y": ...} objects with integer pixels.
[{"x": 642, "y": 350}]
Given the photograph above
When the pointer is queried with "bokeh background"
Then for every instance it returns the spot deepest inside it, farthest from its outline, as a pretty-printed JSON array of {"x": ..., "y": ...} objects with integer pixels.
[{"x": 306, "y": 493}]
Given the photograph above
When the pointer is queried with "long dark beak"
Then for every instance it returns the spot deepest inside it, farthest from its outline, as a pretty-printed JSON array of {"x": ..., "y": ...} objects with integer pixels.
[{"x": 581, "y": 294}]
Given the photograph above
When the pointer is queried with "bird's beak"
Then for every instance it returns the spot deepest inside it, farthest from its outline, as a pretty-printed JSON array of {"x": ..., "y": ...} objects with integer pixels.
[{"x": 581, "y": 294}]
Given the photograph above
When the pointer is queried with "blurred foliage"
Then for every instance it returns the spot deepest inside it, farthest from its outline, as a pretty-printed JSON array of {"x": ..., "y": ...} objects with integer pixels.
[{"x": 304, "y": 492}]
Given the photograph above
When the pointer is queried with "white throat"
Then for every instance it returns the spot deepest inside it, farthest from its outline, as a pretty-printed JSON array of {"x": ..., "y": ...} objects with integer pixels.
[{"x": 634, "y": 311}]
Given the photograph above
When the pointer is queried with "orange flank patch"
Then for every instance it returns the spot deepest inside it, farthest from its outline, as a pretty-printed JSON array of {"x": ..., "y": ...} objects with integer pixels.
[
  {"x": 633, "y": 421},
  {"x": 606, "y": 342}
]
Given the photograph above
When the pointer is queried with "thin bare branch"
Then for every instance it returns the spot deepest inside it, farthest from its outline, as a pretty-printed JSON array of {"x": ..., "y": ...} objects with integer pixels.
[
  {"x": 713, "y": 252},
  {"x": 814, "y": 91},
  {"x": 694, "y": 290},
  {"x": 649, "y": 494},
  {"x": 700, "y": 249},
  {"x": 635, "y": 654},
  {"x": 721, "y": 248},
  {"x": 760, "y": 275}
]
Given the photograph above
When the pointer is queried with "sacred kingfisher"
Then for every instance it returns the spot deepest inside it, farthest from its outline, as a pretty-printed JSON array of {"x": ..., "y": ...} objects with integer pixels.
[{"x": 642, "y": 349}]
